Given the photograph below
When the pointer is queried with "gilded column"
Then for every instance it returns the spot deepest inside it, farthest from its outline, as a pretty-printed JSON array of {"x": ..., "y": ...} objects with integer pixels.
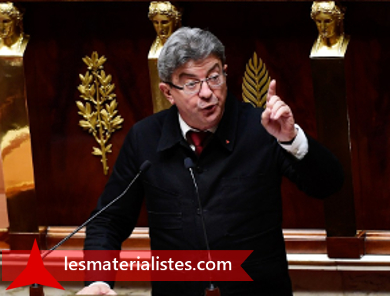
[
  {"x": 15, "y": 143},
  {"x": 329, "y": 86}
]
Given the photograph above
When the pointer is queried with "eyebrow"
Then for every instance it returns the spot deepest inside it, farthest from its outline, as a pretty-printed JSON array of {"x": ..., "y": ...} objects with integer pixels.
[{"x": 184, "y": 74}]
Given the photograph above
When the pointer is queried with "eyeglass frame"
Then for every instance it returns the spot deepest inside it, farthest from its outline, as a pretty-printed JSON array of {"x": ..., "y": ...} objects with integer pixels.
[{"x": 198, "y": 81}]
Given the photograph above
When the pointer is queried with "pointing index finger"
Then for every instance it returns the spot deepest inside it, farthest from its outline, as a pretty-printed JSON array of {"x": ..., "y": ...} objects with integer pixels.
[{"x": 271, "y": 89}]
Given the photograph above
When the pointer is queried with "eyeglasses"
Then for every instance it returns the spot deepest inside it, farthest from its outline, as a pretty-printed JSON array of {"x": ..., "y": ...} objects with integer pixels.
[{"x": 193, "y": 87}]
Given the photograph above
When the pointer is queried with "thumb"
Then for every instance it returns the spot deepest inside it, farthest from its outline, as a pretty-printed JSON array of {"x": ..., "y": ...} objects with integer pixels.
[
  {"x": 265, "y": 117},
  {"x": 105, "y": 290}
]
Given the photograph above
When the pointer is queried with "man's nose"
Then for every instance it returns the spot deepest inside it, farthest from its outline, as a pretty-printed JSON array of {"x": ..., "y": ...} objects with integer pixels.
[{"x": 205, "y": 92}]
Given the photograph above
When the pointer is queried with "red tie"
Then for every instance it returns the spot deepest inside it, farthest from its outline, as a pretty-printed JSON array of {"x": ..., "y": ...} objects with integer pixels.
[{"x": 199, "y": 139}]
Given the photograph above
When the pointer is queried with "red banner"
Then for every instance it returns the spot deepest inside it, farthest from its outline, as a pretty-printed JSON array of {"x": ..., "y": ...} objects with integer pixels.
[{"x": 129, "y": 265}]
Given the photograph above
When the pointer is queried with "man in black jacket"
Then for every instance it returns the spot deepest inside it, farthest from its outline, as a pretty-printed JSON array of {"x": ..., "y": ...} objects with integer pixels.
[{"x": 238, "y": 170}]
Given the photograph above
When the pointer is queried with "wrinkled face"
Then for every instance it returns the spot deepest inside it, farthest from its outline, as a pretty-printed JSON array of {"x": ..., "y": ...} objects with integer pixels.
[
  {"x": 204, "y": 109},
  {"x": 163, "y": 25},
  {"x": 326, "y": 24}
]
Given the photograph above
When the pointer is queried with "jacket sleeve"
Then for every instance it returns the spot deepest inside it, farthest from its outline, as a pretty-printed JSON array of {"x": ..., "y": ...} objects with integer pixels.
[
  {"x": 319, "y": 174},
  {"x": 108, "y": 230},
  {"x": 113, "y": 226}
]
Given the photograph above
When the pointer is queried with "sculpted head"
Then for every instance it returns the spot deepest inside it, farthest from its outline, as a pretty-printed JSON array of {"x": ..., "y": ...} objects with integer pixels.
[
  {"x": 165, "y": 17},
  {"x": 328, "y": 17},
  {"x": 10, "y": 20}
]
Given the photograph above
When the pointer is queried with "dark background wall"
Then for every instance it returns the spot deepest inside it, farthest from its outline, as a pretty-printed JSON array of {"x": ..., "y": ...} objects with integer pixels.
[{"x": 69, "y": 179}]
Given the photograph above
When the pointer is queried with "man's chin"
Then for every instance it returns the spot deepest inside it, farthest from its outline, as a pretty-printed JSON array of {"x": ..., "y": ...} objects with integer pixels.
[{"x": 212, "y": 121}]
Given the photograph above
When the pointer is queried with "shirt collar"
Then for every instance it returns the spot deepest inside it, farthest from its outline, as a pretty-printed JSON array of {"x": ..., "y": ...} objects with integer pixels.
[
  {"x": 185, "y": 128},
  {"x": 172, "y": 131}
]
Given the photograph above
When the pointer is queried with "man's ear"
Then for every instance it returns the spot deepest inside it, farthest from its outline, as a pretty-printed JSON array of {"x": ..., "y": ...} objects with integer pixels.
[
  {"x": 166, "y": 90},
  {"x": 225, "y": 68}
]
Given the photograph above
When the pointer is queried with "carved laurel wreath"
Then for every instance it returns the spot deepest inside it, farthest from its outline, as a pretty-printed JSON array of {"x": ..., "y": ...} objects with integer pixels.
[
  {"x": 97, "y": 90},
  {"x": 255, "y": 82}
]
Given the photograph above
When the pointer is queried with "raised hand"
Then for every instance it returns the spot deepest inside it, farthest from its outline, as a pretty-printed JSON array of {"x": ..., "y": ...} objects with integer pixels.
[{"x": 277, "y": 117}]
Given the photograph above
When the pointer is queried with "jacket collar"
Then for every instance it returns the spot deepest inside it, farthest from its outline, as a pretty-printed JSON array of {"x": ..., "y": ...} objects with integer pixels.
[
  {"x": 171, "y": 133},
  {"x": 225, "y": 133}
]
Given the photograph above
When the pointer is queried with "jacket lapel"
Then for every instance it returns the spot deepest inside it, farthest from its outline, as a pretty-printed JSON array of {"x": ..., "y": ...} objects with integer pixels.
[{"x": 226, "y": 132}]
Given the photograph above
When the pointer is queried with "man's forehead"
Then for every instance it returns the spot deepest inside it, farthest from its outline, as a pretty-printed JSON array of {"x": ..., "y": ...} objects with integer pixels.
[{"x": 192, "y": 67}]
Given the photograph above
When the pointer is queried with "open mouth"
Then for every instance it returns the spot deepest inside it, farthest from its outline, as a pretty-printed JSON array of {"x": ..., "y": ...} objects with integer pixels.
[{"x": 210, "y": 108}]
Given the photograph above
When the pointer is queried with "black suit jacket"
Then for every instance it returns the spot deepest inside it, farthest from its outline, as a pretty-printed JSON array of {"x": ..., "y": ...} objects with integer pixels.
[{"x": 239, "y": 174}]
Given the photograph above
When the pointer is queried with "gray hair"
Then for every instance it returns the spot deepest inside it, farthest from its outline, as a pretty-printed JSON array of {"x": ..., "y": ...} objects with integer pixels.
[{"x": 187, "y": 44}]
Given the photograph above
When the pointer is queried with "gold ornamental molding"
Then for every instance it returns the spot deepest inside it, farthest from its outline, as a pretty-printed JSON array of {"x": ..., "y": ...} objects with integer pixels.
[
  {"x": 255, "y": 82},
  {"x": 97, "y": 90}
]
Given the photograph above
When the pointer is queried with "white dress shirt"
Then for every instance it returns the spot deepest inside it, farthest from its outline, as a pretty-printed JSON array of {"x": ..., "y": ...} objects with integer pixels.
[{"x": 299, "y": 147}]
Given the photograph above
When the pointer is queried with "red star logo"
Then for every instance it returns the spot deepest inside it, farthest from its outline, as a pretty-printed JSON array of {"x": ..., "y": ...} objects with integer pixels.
[{"x": 35, "y": 272}]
